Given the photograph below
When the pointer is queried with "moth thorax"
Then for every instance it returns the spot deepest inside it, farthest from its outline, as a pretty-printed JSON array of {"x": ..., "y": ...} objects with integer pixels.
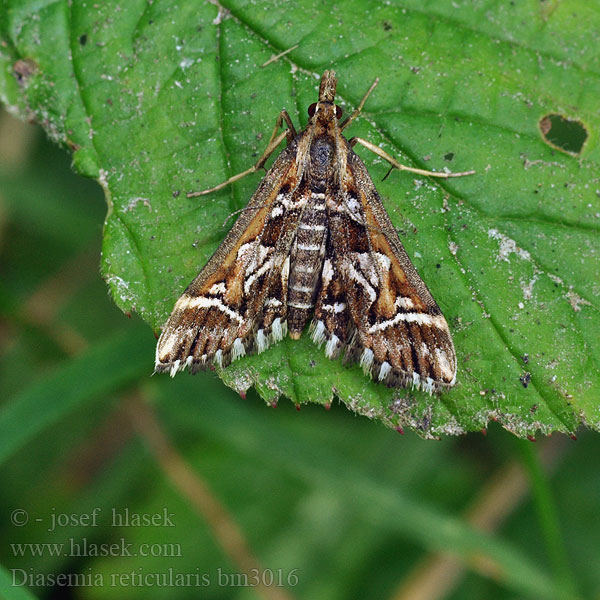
[{"x": 321, "y": 157}]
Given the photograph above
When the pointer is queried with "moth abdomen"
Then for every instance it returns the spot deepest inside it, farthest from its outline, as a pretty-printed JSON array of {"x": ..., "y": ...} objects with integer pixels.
[{"x": 306, "y": 263}]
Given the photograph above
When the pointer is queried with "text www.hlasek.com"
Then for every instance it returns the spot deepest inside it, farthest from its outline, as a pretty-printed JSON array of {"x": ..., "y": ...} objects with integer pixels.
[{"x": 84, "y": 547}]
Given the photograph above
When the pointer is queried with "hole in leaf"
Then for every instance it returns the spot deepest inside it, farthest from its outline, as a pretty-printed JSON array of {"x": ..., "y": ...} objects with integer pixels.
[{"x": 566, "y": 135}]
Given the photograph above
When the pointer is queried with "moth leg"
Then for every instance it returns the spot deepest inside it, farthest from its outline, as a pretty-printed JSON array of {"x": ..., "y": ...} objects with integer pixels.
[
  {"x": 377, "y": 150},
  {"x": 357, "y": 110},
  {"x": 274, "y": 141},
  {"x": 283, "y": 116}
]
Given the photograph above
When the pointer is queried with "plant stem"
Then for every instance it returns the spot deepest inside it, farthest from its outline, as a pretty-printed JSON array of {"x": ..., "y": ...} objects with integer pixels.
[{"x": 548, "y": 518}]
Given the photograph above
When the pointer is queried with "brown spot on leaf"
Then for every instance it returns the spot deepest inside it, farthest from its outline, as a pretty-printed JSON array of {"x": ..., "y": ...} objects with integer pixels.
[{"x": 23, "y": 69}]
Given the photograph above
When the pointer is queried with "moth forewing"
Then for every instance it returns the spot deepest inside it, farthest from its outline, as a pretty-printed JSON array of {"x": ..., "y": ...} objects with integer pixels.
[
  {"x": 315, "y": 241},
  {"x": 404, "y": 302},
  {"x": 215, "y": 319}
]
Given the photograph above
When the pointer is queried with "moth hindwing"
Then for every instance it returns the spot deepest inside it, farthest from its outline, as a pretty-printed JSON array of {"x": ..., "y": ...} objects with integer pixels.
[{"x": 315, "y": 243}]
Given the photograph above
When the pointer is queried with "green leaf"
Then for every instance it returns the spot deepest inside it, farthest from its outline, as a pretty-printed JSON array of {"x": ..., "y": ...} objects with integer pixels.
[
  {"x": 117, "y": 361},
  {"x": 156, "y": 99},
  {"x": 384, "y": 505},
  {"x": 9, "y": 591}
]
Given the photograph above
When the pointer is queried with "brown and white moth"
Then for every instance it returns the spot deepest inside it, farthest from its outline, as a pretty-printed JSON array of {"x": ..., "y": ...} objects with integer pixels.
[{"x": 314, "y": 241}]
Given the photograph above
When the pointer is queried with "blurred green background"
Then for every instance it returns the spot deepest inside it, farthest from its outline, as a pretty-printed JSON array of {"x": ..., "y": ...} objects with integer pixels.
[{"x": 327, "y": 503}]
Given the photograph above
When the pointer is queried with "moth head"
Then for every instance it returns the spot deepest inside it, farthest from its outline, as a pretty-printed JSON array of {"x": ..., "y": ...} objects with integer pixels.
[
  {"x": 312, "y": 109},
  {"x": 327, "y": 87}
]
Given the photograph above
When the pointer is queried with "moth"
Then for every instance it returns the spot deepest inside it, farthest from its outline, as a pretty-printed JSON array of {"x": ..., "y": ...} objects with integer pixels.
[{"x": 314, "y": 246}]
